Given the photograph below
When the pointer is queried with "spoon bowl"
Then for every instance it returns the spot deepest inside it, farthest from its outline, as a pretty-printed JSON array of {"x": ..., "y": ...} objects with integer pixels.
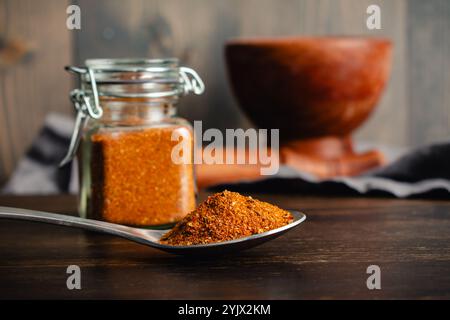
[{"x": 150, "y": 237}]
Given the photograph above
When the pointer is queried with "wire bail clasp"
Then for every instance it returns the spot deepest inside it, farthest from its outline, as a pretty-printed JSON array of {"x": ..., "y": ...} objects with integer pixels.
[
  {"x": 176, "y": 81},
  {"x": 84, "y": 109},
  {"x": 193, "y": 83}
]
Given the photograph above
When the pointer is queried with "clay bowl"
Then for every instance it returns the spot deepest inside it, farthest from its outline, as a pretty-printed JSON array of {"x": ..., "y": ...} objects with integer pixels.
[{"x": 308, "y": 87}]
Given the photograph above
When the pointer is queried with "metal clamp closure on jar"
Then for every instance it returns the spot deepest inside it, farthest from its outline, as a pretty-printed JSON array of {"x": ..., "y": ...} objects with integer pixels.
[{"x": 125, "y": 78}]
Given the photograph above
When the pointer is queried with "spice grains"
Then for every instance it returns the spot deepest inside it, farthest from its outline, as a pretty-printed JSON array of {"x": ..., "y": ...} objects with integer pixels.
[
  {"x": 226, "y": 216},
  {"x": 134, "y": 180}
]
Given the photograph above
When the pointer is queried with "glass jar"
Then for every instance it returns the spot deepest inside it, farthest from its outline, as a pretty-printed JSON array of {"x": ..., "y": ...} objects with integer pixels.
[{"x": 128, "y": 131}]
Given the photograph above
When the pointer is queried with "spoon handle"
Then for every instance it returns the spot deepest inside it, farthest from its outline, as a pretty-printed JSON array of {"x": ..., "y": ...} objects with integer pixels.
[{"x": 66, "y": 220}]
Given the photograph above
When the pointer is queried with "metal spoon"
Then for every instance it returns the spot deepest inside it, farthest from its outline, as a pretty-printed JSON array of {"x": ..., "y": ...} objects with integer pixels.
[{"x": 147, "y": 236}]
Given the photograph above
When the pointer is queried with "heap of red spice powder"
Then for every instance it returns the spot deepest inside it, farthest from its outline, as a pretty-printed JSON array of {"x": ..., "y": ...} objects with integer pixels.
[{"x": 226, "y": 216}]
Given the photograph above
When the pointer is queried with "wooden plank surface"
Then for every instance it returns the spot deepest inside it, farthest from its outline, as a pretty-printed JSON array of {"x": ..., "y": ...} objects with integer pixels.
[
  {"x": 37, "y": 85},
  {"x": 326, "y": 257},
  {"x": 414, "y": 109},
  {"x": 195, "y": 31},
  {"x": 429, "y": 70}
]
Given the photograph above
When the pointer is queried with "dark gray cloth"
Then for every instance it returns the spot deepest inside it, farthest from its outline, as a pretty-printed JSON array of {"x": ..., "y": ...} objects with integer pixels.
[{"x": 424, "y": 172}]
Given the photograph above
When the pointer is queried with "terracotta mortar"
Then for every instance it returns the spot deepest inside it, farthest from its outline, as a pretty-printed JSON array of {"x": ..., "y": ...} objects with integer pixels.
[{"x": 317, "y": 91}]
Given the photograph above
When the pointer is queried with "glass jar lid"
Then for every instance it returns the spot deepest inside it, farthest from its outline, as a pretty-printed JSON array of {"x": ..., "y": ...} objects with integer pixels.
[{"x": 143, "y": 78}]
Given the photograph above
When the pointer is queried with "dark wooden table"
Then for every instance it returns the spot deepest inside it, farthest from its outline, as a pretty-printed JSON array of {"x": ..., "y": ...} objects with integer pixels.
[{"x": 326, "y": 257}]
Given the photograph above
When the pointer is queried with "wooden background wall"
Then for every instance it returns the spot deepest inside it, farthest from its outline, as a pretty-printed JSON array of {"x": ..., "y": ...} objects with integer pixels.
[{"x": 414, "y": 110}]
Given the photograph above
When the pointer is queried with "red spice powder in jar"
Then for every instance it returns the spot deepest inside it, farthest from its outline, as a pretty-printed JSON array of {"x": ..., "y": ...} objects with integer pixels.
[{"x": 135, "y": 181}]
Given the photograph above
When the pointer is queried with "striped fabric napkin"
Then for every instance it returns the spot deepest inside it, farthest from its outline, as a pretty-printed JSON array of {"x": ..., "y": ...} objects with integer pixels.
[{"x": 38, "y": 172}]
